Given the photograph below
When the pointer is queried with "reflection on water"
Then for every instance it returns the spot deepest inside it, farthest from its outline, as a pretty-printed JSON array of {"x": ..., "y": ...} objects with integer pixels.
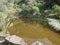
[{"x": 33, "y": 31}]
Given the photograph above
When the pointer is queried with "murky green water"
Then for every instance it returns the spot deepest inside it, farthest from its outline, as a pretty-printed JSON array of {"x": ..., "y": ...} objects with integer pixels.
[{"x": 34, "y": 31}]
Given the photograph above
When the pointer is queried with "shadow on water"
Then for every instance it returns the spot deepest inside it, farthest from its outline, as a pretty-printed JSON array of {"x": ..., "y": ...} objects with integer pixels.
[{"x": 39, "y": 21}]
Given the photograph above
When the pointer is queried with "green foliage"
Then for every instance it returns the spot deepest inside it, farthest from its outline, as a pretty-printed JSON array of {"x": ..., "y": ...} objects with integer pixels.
[
  {"x": 7, "y": 9},
  {"x": 55, "y": 11},
  {"x": 1, "y": 28},
  {"x": 36, "y": 10},
  {"x": 11, "y": 8},
  {"x": 31, "y": 8}
]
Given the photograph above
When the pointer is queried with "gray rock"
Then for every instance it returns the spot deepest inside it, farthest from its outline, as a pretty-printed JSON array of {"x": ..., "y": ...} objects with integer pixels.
[
  {"x": 15, "y": 40},
  {"x": 54, "y": 23},
  {"x": 37, "y": 43},
  {"x": 2, "y": 42}
]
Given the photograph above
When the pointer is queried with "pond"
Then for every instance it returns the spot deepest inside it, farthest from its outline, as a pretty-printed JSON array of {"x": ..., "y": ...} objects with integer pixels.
[{"x": 33, "y": 31}]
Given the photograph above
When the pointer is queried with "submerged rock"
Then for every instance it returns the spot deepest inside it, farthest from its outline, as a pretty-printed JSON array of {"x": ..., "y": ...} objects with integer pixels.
[
  {"x": 15, "y": 40},
  {"x": 37, "y": 43}
]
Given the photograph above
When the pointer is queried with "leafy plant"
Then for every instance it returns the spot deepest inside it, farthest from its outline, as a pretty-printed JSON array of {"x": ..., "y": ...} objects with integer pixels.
[{"x": 8, "y": 10}]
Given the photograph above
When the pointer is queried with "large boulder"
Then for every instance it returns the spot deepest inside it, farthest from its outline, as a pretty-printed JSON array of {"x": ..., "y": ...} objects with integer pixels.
[{"x": 15, "y": 40}]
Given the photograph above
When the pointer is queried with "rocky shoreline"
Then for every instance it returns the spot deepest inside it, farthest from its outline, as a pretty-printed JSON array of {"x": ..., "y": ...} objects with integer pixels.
[{"x": 15, "y": 40}]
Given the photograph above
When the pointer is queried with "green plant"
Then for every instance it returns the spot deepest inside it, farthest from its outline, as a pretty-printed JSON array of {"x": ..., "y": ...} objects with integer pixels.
[{"x": 8, "y": 10}]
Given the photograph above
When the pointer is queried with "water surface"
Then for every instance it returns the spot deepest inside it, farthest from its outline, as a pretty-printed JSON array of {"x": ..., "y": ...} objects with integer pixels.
[{"x": 33, "y": 31}]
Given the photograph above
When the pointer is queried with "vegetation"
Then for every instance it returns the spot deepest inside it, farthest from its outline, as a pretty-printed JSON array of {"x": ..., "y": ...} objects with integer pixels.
[
  {"x": 7, "y": 11},
  {"x": 43, "y": 9}
]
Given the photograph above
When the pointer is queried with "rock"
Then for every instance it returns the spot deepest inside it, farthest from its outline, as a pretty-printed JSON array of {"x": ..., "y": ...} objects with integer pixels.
[
  {"x": 2, "y": 38},
  {"x": 37, "y": 43},
  {"x": 46, "y": 41},
  {"x": 54, "y": 23},
  {"x": 15, "y": 40},
  {"x": 2, "y": 41},
  {"x": 4, "y": 35}
]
